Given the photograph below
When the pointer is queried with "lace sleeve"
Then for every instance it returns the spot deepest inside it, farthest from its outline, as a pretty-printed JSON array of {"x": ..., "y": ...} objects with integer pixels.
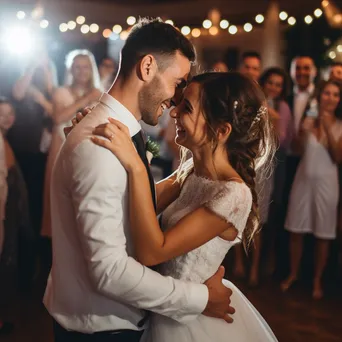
[{"x": 233, "y": 203}]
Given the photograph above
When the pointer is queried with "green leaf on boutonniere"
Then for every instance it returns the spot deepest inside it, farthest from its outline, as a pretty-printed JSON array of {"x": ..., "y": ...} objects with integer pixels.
[{"x": 153, "y": 147}]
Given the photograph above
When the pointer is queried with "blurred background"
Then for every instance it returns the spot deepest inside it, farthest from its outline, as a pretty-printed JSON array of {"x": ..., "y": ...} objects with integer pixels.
[{"x": 57, "y": 57}]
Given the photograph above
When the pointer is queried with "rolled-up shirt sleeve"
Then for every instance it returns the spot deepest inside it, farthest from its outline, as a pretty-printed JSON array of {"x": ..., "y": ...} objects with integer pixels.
[{"x": 98, "y": 187}]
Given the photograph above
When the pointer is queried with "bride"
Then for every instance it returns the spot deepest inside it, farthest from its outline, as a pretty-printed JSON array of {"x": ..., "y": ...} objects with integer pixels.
[{"x": 208, "y": 205}]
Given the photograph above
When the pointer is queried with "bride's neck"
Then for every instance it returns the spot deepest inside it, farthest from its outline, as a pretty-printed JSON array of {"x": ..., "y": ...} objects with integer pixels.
[{"x": 210, "y": 165}]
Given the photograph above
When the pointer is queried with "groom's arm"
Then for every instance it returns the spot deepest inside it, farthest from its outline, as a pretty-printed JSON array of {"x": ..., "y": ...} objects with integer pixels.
[{"x": 98, "y": 191}]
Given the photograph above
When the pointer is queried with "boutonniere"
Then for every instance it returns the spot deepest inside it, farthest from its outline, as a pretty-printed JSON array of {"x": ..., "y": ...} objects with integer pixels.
[{"x": 152, "y": 150}]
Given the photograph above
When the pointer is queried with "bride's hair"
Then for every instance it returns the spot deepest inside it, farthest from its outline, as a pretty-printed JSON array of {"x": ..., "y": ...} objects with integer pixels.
[{"x": 238, "y": 100}]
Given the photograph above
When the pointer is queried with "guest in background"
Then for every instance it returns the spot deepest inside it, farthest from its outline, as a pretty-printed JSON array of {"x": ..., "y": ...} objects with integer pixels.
[
  {"x": 107, "y": 72},
  {"x": 82, "y": 89},
  {"x": 33, "y": 107},
  {"x": 274, "y": 82},
  {"x": 18, "y": 257},
  {"x": 336, "y": 71},
  {"x": 220, "y": 66},
  {"x": 315, "y": 192},
  {"x": 250, "y": 65}
]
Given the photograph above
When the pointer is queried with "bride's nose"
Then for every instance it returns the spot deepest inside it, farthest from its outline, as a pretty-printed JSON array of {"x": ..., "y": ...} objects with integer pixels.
[{"x": 174, "y": 113}]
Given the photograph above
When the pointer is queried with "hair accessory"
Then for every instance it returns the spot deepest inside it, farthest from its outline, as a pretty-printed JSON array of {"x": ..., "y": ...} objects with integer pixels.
[{"x": 261, "y": 112}]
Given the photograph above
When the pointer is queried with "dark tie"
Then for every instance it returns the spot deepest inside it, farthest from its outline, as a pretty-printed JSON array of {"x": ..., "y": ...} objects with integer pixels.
[{"x": 139, "y": 143}]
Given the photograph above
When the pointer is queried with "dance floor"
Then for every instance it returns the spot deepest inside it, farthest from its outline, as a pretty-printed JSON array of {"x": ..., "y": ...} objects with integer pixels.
[{"x": 294, "y": 316}]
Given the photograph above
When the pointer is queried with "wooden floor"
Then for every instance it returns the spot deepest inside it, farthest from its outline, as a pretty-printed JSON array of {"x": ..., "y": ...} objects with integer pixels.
[{"x": 294, "y": 317}]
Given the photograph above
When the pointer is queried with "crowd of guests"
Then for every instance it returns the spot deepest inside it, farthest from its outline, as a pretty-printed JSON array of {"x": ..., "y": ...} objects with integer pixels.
[{"x": 301, "y": 195}]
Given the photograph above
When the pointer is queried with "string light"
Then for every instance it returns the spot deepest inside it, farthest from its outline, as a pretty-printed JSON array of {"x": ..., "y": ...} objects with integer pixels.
[
  {"x": 318, "y": 12},
  {"x": 207, "y": 24},
  {"x": 21, "y": 15},
  {"x": 71, "y": 25},
  {"x": 131, "y": 20},
  {"x": 332, "y": 54},
  {"x": 107, "y": 33},
  {"x": 94, "y": 28},
  {"x": 63, "y": 27},
  {"x": 85, "y": 29},
  {"x": 213, "y": 30},
  {"x": 291, "y": 21},
  {"x": 308, "y": 19},
  {"x": 224, "y": 24},
  {"x": 196, "y": 32},
  {"x": 283, "y": 15},
  {"x": 339, "y": 48},
  {"x": 44, "y": 24},
  {"x": 185, "y": 30},
  {"x": 80, "y": 20},
  {"x": 259, "y": 18},
  {"x": 248, "y": 27},
  {"x": 124, "y": 35},
  {"x": 325, "y": 3},
  {"x": 232, "y": 29},
  {"x": 117, "y": 29},
  {"x": 169, "y": 21}
]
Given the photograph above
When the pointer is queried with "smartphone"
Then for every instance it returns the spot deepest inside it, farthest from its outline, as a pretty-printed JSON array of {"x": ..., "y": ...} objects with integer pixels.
[{"x": 312, "y": 112}]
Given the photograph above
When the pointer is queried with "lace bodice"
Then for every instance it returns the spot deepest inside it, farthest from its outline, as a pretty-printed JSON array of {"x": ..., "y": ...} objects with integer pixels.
[{"x": 231, "y": 201}]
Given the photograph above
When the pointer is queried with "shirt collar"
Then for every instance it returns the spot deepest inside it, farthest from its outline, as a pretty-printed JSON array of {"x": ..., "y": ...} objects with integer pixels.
[
  {"x": 309, "y": 90},
  {"x": 121, "y": 113}
]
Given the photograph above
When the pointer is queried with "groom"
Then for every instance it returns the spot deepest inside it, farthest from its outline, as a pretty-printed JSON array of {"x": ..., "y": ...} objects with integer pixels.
[{"x": 96, "y": 290}]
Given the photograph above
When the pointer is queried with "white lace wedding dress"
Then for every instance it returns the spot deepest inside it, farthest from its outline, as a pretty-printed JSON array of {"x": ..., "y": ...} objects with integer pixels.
[{"x": 232, "y": 201}]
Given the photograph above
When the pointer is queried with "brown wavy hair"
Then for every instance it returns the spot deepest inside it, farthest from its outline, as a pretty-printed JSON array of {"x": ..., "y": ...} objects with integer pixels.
[{"x": 236, "y": 99}]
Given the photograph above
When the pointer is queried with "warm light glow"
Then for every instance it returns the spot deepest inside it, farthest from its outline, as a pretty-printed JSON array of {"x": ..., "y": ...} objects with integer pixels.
[
  {"x": 117, "y": 29},
  {"x": 85, "y": 29},
  {"x": 325, "y": 3},
  {"x": 259, "y": 18},
  {"x": 80, "y": 20},
  {"x": 248, "y": 27},
  {"x": 185, "y": 30},
  {"x": 18, "y": 40},
  {"x": 308, "y": 19},
  {"x": 339, "y": 48},
  {"x": 291, "y": 21},
  {"x": 232, "y": 29},
  {"x": 337, "y": 18},
  {"x": 21, "y": 15},
  {"x": 71, "y": 25},
  {"x": 207, "y": 24},
  {"x": 169, "y": 21},
  {"x": 196, "y": 32},
  {"x": 63, "y": 27},
  {"x": 213, "y": 30},
  {"x": 94, "y": 28},
  {"x": 106, "y": 33},
  {"x": 131, "y": 20},
  {"x": 332, "y": 54},
  {"x": 318, "y": 12},
  {"x": 124, "y": 35},
  {"x": 283, "y": 15},
  {"x": 224, "y": 24},
  {"x": 44, "y": 24}
]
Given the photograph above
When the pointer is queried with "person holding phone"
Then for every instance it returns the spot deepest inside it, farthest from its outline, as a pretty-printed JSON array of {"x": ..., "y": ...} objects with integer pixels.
[{"x": 315, "y": 191}]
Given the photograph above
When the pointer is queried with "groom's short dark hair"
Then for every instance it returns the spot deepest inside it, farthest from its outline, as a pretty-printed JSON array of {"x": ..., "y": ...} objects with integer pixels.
[{"x": 153, "y": 36}]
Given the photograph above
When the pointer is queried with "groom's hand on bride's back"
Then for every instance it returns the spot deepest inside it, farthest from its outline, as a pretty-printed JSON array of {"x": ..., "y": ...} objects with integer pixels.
[
  {"x": 77, "y": 119},
  {"x": 219, "y": 298}
]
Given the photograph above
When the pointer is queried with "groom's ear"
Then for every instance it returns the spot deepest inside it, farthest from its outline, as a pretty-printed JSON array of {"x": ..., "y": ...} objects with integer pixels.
[{"x": 148, "y": 68}]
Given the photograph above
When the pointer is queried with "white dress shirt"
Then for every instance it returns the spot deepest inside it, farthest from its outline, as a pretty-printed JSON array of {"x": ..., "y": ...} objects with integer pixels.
[
  {"x": 95, "y": 284},
  {"x": 300, "y": 101}
]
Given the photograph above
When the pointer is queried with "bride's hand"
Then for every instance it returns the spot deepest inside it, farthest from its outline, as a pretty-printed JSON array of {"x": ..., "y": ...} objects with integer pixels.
[
  {"x": 77, "y": 119},
  {"x": 119, "y": 142}
]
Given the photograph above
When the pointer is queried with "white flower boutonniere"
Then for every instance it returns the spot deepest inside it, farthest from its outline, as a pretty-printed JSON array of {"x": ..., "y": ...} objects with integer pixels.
[{"x": 152, "y": 150}]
